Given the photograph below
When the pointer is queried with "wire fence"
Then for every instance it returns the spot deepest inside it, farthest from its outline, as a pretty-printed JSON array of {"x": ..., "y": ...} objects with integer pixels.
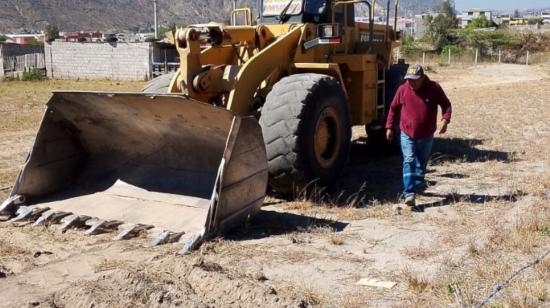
[
  {"x": 475, "y": 56},
  {"x": 498, "y": 287}
]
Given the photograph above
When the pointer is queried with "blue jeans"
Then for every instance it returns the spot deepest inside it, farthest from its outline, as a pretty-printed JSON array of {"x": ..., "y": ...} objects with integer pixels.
[{"x": 416, "y": 153}]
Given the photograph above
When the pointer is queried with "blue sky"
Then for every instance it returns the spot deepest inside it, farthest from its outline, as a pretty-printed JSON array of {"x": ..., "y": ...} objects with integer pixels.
[{"x": 501, "y": 4}]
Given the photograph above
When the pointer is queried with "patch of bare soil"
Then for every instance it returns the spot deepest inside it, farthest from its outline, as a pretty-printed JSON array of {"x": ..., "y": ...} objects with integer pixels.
[{"x": 485, "y": 215}]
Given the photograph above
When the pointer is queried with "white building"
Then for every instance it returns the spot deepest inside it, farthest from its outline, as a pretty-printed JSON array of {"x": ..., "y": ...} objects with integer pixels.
[
  {"x": 467, "y": 16},
  {"x": 405, "y": 25},
  {"x": 420, "y": 23},
  {"x": 25, "y": 38},
  {"x": 545, "y": 17},
  {"x": 501, "y": 19}
]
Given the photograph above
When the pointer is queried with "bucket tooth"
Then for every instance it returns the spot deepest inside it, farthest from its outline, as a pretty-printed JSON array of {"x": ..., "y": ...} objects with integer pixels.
[
  {"x": 131, "y": 231},
  {"x": 10, "y": 204},
  {"x": 164, "y": 237},
  {"x": 159, "y": 239},
  {"x": 50, "y": 217},
  {"x": 27, "y": 212},
  {"x": 73, "y": 220},
  {"x": 102, "y": 226},
  {"x": 192, "y": 243}
]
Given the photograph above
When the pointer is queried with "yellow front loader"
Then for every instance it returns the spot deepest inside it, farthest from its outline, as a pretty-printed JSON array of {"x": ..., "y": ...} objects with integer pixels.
[{"x": 191, "y": 156}]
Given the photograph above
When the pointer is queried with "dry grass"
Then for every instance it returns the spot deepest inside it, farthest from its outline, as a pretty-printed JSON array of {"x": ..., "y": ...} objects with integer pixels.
[
  {"x": 308, "y": 295},
  {"x": 21, "y": 107},
  {"x": 9, "y": 249},
  {"x": 23, "y": 102},
  {"x": 500, "y": 236},
  {"x": 7, "y": 177},
  {"x": 504, "y": 250},
  {"x": 499, "y": 141},
  {"x": 416, "y": 283},
  {"x": 339, "y": 211},
  {"x": 337, "y": 239},
  {"x": 108, "y": 265},
  {"x": 421, "y": 252}
]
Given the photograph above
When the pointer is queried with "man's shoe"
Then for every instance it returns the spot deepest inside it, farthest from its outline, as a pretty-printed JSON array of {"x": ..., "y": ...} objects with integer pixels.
[{"x": 410, "y": 200}]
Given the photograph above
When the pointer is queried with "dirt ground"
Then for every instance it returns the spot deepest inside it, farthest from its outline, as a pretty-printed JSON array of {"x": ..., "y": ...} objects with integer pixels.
[{"x": 485, "y": 216}]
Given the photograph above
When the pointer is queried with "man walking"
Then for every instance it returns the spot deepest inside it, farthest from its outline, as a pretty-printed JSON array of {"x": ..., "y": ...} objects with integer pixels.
[{"x": 417, "y": 100}]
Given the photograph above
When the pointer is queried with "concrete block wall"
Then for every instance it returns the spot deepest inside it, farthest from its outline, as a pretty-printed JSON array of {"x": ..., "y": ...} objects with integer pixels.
[{"x": 117, "y": 61}]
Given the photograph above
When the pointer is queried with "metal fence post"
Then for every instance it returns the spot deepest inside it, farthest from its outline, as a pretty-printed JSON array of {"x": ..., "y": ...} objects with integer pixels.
[
  {"x": 449, "y": 56},
  {"x": 477, "y": 54},
  {"x": 527, "y": 60},
  {"x": 423, "y": 58},
  {"x": 499, "y": 56}
]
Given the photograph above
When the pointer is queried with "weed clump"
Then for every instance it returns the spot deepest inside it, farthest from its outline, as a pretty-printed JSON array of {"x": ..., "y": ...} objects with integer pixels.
[{"x": 32, "y": 75}]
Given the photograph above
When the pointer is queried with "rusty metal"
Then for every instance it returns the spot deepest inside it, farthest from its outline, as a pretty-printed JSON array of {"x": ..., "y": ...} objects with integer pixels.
[{"x": 157, "y": 160}]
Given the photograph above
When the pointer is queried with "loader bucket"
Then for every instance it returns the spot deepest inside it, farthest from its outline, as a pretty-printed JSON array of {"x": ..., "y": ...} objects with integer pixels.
[{"x": 133, "y": 160}]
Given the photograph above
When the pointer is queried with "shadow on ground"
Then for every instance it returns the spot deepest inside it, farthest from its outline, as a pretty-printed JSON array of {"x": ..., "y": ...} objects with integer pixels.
[
  {"x": 460, "y": 149},
  {"x": 447, "y": 199},
  {"x": 374, "y": 173},
  {"x": 268, "y": 223}
]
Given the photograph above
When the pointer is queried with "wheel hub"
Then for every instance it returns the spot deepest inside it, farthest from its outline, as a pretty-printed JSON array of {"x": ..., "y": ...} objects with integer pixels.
[{"x": 327, "y": 137}]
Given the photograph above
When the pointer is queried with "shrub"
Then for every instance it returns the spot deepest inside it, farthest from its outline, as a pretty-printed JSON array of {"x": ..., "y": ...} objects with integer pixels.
[
  {"x": 453, "y": 48},
  {"x": 409, "y": 46},
  {"x": 32, "y": 74}
]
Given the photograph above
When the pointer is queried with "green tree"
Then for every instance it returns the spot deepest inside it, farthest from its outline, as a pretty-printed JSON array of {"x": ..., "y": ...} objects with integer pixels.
[
  {"x": 3, "y": 38},
  {"x": 408, "y": 46},
  {"x": 439, "y": 28},
  {"x": 479, "y": 22},
  {"x": 51, "y": 32},
  {"x": 34, "y": 41},
  {"x": 535, "y": 21},
  {"x": 488, "y": 41},
  {"x": 163, "y": 30}
]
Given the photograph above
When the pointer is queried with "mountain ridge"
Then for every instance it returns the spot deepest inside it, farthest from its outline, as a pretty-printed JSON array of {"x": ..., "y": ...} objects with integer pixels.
[{"x": 106, "y": 15}]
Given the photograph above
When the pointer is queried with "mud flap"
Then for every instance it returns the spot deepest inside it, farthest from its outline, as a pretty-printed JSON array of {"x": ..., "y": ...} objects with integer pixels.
[{"x": 166, "y": 161}]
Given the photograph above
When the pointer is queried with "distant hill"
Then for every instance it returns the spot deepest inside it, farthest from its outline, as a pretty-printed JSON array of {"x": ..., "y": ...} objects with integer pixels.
[{"x": 107, "y": 15}]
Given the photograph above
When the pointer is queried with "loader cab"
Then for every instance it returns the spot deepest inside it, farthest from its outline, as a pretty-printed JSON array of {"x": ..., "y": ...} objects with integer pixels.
[{"x": 302, "y": 11}]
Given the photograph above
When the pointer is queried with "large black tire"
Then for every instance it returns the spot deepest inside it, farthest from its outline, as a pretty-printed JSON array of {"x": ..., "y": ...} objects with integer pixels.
[
  {"x": 306, "y": 126},
  {"x": 158, "y": 85}
]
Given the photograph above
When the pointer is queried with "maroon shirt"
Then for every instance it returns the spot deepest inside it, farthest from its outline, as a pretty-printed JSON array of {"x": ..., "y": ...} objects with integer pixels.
[{"x": 419, "y": 109}]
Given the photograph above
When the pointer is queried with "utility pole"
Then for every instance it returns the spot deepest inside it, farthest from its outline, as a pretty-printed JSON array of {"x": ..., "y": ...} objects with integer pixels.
[{"x": 156, "y": 19}]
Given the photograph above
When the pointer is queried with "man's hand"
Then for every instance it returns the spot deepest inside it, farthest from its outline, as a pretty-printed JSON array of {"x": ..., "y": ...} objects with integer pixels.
[
  {"x": 443, "y": 128},
  {"x": 389, "y": 134}
]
